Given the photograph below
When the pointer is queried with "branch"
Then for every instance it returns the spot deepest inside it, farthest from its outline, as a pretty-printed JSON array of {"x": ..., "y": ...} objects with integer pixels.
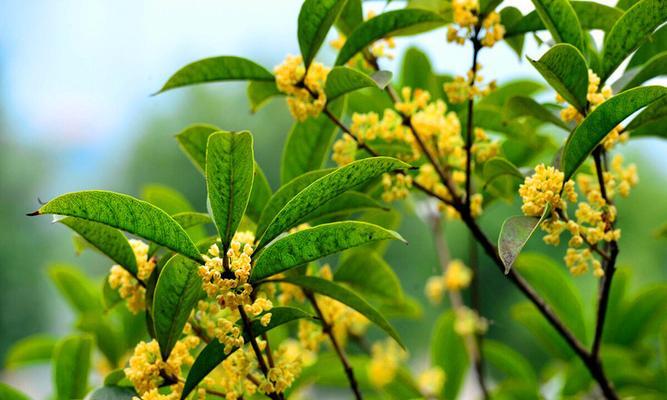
[{"x": 469, "y": 123}]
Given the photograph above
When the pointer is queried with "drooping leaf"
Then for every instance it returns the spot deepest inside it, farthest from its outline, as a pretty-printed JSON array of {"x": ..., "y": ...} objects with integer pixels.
[
  {"x": 308, "y": 144},
  {"x": 9, "y": 393},
  {"x": 326, "y": 188},
  {"x": 564, "y": 68},
  {"x": 507, "y": 360},
  {"x": 561, "y": 21},
  {"x": 214, "y": 352},
  {"x": 511, "y": 17},
  {"x": 189, "y": 219},
  {"x": 126, "y": 213},
  {"x": 655, "y": 44},
  {"x": 177, "y": 291},
  {"x": 76, "y": 288},
  {"x": 656, "y": 66},
  {"x": 259, "y": 196},
  {"x": 110, "y": 241},
  {"x": 193, "y": 140},
  {"x": 368, "y": 273},
  {"x": 514, "y": 235},
  {"x": 315, "y": 19},
  {"x": 112, "y": 393},
  {"x": 229, "y": 176},
  {"x": 519, "y": 106},
  {"x": 260, "y": 92},
  {"x": 603, "y": 119},
  {"x": 345, "y": 296},
  {"x": 387, "y": 24},
  {"x": 342, "y": 80},
  {"x": 71, "y": 364},
  {"x": 283, "y": 195},
  {"x": 314, "y": 243},
  {"x": 651, "y": 121},
  {"x": 629, "y": 32},
  {"x": 448, "y": 351},
  {"x": 217, "y": 69},
  {"x": 30, "y": 350}
]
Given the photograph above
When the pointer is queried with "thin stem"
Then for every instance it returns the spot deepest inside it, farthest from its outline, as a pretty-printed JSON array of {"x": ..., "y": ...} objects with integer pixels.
[
  {"x": 469, "y": 123},
  {"x": 592, "y": 246},
  {"x": 327, "y": 329}
]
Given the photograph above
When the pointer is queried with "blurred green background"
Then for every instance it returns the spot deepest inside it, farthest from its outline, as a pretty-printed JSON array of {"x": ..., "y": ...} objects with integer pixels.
[{"x": 75, "y": 113}]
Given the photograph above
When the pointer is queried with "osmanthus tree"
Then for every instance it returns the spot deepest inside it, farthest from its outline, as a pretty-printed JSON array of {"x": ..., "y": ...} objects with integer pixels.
[{"x": 254, "y": 311}]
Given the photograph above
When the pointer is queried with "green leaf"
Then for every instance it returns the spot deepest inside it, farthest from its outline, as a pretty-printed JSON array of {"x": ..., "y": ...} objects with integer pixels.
[
  {"x": 213, "y": 354},
  {"x": 71, "y": 364},
  {"x": 350, "y": 17},
  {"x": 165, "y": 198},
  {"x": 508, "y": 361},
  {"x": 656, "y": 66},
  {"x": 416, "y": 71},
  {"x": 514, "y": 235},
  {"x": 643, "y": 315},
  {"x": 511, "y": 17},
  {"x": 448, "y": 351},
  {"x": 315, "y": 19},
  {"x": 107, "y": 336},
  {"x": 387, "y": 24},
  {"x": 564, "y": 68},
  {"x": 503, "y": 93},
  {"x": 110, "y": 241},
  {"x": 554, "y": 284},
  {"x": 110, "y": 297},
  {"x": 76, "y": 288},
  {"x": 314, "y": 243},
  {"x": 309, "y": 143},
  {"x": 526, "y": 314},
  {"x": 342, "y": 80},
  {"x": 629, "y": 32},
  {"x": 30, "y": 350},
  {"x": 9, "y": 393},
  {"x": 193, "y": 140},
  {"x": 345, "y": 296},
  {"x": 217, "y": 69},
  {"x": 112, "y": 393},
  {"x": 126, "y": 213},
  {"x": 259, "y": 92},
  {"x": 651, "y": 121},
  {"x": 497, "y": 167},
  {"x": 229, "y": 177},
  {"x": 177, "y": 291},
  {"x": 346, "y": 203},
  {"x": 486, "y": 6},
  {"x": 367, "y": 273},
  {"x": 519, "y": 106},
  {"x": 190, "y": 219},
  {"x": 326, "y": 188},
  {"x": 259, "y": 196},
  {"x": 559, "y": 18},
  {"x": 387, "y": 219},
  {"x": 655, "y": 44},
  {"x": 603, "y": 119}
]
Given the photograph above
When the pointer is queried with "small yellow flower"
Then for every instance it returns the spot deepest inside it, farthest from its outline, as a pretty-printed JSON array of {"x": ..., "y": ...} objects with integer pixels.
[
  {"x": 304, "y": 89},
  {"x": 386, "y": 358},
  {"x": 431, "y": 382},
  {"x": 541, "y": 189}
]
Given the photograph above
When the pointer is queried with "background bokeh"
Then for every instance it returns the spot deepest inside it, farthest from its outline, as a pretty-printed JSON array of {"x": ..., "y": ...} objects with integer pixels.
[{"x": 76, "y": 113}]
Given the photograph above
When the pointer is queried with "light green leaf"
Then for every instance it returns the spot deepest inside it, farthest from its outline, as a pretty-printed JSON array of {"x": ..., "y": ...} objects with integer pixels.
[
  {"x": 591, "y": 16},
  {"x": 503, "y": 93},
  {"x": 507, "y": 360},
  {"x": 309, "y": 143},
  {"x": 387, "y": 219},
  {"x": 177, "y": 291},
  {"x": 526, "y": 314},
  {"x": 350, "y": 17},
  {"x": 112, "y": 393},
  {"x": 486, "y": 6},
  {"x": 214, "y": 352},
  {"x": 511, "y": 17},
  {"x": 497, "y": 167},
  {"x": 519, "y": 106},
  {"x": 326, "y": 188},
  {"x": 107, "y": 336},
  {"x": 656, "y": 66},
  {"x": 193, "y": 140},
  {"x": 217, "y": 69},
  {"x": 110, "y": 296},
  {"x": 630, "y": 31},
  {"x": 643, "y": 315},
  {"x": 342, "y": 80},
  {"x": 110, "y": 241},
  {"x": 165, "y": 198},
  {"x": 387, "y": 24},
  {"x": 603, "y": 119},
  {"x": 9, "y": 393},
  {"x": 259, "y": 196},
  {"x": 30, "y": 350},
  {"x": 655, "y": 44},
  {"x": 190, "y": 219},
  {"x": 564, "y": 68},
  {"x": 315, "y": 19},
  {"x": 448, "y": 351},
  {"x": 367, "y": 273},
  {"x": 345, "y": 296},
  {"x": 561, "y": 21},
  {"x": 126, "y": 213},
  {"x": 229, "y": 176},
  {"x": 514, "y": 235},
  {"x": 76, "y": 288},
  {"x": 71, "y": 364},
  {"x": 416, "y": 71},
  {"x": 259, "y": 92},
  {"x": 314, "y": 243}
]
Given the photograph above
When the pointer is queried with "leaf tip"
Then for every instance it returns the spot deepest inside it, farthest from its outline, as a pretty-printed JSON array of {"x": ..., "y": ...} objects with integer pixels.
[{"x": 34, "y": 213}]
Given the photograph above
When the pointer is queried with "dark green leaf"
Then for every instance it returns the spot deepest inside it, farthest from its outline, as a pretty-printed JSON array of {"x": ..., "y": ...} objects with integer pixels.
[
  {"x": 416, "y": 71},
  {"x": 342, "y": 80},
  {"x": 655, "y": 44},
  {"x": 315, "y": 19},
  {"x": 564, "y": 68},
  {"x": 314, "y": 243},
  {"x": 259, "y": 196},
  {"x": 345, "y": 296},
  {"x": 193, "y": 140},
  {"x": 387, "y": 24},
  {"x": 519, "y": 106},
  {"x": 71, "y": 364},
  {"x": 229, "y": 176},
  {"x": 603, "y": 119},
  {"x": 259, "y": 92},
  {"x": 177, "y": 291},
  {"x": 217, "y": 69},
  {"x": 561, "y": 21},
  {"x": 126, "y": 213},
  {"x": 76, "y": 288},
  {"x": 651, "y": 121},
  {"x": 112, "y": 393},
  {"x": 345, "y": 203},
  {"x": 497, "y": 167},
  {"x": 350, "y": 17},
  {"x": 190, "y": 219},
  {"x": 9, "y": 393},
  {"x": 629, "y": 32},
  {"x": 527, "y": 315},
  {"x": 503, "y": 93},
  {"x": 448, "y": 351},
  {"x": 507, "y": 360},
  {"x": 643, "y": 315},
  {"x": 656, "y": 66},
  {"x": 369, "y": 274},
  {"x": 514, "y": 235},
  {"x": 165, "y": 198},
  {"x": 511, "y": 16},
  {"x": 30, "y": 350},
  {"x": 326, "y": 188}
]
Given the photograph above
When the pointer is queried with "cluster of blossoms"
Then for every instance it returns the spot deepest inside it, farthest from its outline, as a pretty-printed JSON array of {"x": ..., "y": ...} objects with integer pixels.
[
  {"x": 147, "y": 370},
  {"x": 129, "y": 288},
  {"x": 462, "y": 89},
  {"x": 469, "y": 322},
  {"x": 455, "y": 278},
  {"x": 304, "y": 89},
  {"x": 386, "y": 358},
  {"x": 466, "y": 22}
]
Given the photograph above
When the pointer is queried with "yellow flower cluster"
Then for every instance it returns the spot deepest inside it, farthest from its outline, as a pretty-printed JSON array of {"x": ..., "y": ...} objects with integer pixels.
[
  {"x": 494, "y": 32},
  {"x": 462, "y": 89},
  {"x": 431, "y": 382},
  {"x": 466, "y": 19},
  {"x": 219, "y": 323},
  {"x": 456, "y": 277},
  {"x": 298, "y": 84},
  {"x": 386, "y": 358},
  {"x": 543, "y": 188},
  {"x": 344, "y": 150},
  {"x": 128, "y": 287},
  {"x": 146, "y": 368},
  {"x": 396, "y": 187},
  {"x": 468, "y": 322}
]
